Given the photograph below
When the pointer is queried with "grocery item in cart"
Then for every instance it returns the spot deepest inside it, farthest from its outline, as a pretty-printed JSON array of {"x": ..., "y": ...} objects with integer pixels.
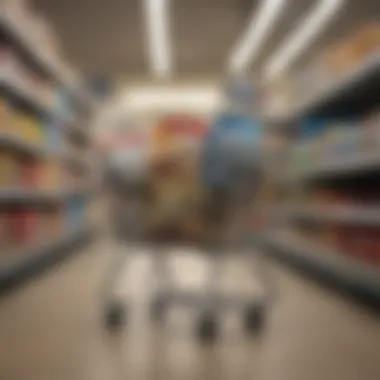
[
  {"x": 231, "y": 153},
  {"x": 174, "y": 174}
]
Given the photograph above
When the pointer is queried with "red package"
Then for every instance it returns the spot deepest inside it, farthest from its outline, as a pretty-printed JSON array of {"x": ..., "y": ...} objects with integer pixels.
[
  {"x": 29, "y": 174},
  {"x": 364, "y": 244},
  {"x": 352, "y": 241},
  {"x": 23, "y": 224},
  {"x": 373, "y": 243}
]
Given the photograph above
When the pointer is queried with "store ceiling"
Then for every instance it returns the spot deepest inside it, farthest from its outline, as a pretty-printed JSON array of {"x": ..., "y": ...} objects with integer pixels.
[{"x": 108, "y": 37}]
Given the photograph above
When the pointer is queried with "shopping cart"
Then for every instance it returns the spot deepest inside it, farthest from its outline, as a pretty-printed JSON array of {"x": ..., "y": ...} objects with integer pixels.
[{"x": 223, "y": 212}]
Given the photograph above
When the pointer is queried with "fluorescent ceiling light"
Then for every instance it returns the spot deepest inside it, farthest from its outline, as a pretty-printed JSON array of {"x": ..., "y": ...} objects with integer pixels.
[
  {"x": 261, "y": 24},
  {"x": 303, "y": 35},
  {"x": 167, "y": 99},
  {"x": 156, "y": 12}
]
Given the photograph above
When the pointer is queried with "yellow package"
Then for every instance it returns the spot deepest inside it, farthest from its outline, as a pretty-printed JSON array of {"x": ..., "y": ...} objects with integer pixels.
[
  {"x": 33, "y": 131},
  {"x": 38, "y": 132},
  {"x": 20, "y": 128},
  {"x": 30, "y": 130}
]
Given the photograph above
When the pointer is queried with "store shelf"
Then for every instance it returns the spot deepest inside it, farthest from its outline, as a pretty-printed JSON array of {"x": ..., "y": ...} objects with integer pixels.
[
  {"x": 13, "y": 143},
  {"x": 31, "y": 261},
  {"x": 24, "y": 96},
  {"x": 30, "y": 196},
  {"x": 339, "y": 271},
  {"x": 362, "y": 163},
  {"x": 14, "y": 31},
  {"x": 354, "y": 93},
  {"x": 29, "y": 100},
  {"x": 357, "y": 215},
  {"x": 21, "y": 40},
  {"x": 17, "y": 144}
]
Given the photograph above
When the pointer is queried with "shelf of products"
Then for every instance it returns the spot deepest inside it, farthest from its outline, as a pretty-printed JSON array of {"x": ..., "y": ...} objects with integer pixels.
[
  {"x": 44, "y": 178},
  {"x": 356, "y": 215},
  {"x": 340, "y": 81},
  {"x": 336, "y": 148},
  {"x": 23, "y": 94},
  {"x": 18, "y": 35},
  {"x": 348, "y": 166},
  {"x": 346, "y": 273},
  {"x": 36, "y": 42},
  {"x": 331, "y": 167},
  {"x": 26, "y": 196},
  {"x": 16, "y": 144},
  {"x": 349, "y": 94}
]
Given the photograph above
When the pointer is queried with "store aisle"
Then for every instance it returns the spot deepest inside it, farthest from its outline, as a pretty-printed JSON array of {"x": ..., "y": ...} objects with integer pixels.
[{"x": 52, "y": 330}]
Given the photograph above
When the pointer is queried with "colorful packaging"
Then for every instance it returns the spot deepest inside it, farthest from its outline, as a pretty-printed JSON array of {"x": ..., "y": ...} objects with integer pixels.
[
  {"x": 9, "y": 170},
  {"x": 30, "y": 174},
  {"x": 23, "y": 225},
  {"x": 50, "y": 175}
]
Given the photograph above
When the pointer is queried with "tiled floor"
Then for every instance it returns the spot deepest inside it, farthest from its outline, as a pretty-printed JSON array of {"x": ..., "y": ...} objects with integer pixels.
[{"x": 52, "y": 330}]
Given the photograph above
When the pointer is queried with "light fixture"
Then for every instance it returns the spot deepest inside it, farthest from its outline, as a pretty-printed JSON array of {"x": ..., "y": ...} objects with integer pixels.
[
  {"x": 302, "y": 36},
  {"x": 172, "y": 98},
  {"x": 262, "y": 22},
  {"x": 156, "y": 12}
]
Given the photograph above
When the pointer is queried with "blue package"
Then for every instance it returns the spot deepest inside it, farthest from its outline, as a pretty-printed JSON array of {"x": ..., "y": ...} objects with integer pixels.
[{"x": 243, "y": 129}]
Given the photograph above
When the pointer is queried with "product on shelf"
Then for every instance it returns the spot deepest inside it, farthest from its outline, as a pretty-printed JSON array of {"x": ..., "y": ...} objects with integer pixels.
[
  {"x": 29, "y": 174},
  {"x": 9, "y": 170},
  {"x": 30, "y": 71},
  {"x": 334, "y": 142},
  {"x": 50, "y": 174},
  {"x": 23, "y": 226}
]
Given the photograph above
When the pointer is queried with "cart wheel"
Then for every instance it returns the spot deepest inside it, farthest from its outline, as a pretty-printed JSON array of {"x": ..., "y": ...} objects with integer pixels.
[
  {"x": 254, "y": 318},
  {"x": 158, "y": 309},
  {"x": 115, "y": 316},
  {"x": 208, "y": 328}
]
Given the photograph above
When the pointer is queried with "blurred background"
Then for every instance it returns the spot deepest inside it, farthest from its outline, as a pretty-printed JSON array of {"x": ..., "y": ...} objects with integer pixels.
[{"x": 189, "y": 189}]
